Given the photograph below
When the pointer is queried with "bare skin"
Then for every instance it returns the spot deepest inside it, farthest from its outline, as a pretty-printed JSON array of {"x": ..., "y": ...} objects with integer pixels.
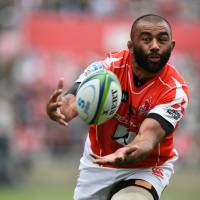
[
  {"x": 149, "y": 37},
  {"x": 61, "y": 108}
]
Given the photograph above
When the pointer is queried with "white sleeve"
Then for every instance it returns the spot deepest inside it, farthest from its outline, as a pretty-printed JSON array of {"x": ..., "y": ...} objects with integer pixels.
[
  {"x": 91, "y": 69},
  {"x": 173, "y": 110}
]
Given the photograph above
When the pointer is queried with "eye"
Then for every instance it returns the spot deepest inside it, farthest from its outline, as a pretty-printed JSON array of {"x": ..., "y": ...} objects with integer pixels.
[
  {"x": 146, "y": 39},
  {"x": 163, "y": 38}
]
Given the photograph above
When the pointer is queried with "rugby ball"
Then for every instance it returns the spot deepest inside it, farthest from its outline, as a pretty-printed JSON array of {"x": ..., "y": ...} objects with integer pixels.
[{"x": 98, "y": 97}]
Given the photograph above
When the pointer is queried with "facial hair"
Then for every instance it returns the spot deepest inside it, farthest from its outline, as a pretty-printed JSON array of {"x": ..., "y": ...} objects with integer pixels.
[{"x": 141, "y": 59}]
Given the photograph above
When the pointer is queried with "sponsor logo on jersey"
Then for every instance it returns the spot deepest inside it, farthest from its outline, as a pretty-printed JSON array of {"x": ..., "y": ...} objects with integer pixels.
[
  {"x": 157, "y": 171},
  {"x": 175, "y": 114},
  {"x": 123, "y": 136},
  {"x": 93, "y": 68}
]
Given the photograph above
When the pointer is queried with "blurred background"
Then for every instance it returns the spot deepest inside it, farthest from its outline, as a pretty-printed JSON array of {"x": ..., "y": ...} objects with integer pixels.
[{"x": 43, "y": 40}]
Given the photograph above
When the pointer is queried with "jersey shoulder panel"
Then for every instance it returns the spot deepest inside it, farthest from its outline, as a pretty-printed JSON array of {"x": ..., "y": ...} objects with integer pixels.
[
  {"x": 117, "y": 59},
  {"x": 169, "y": 75},
  {"x": 172, "y": 82},
  {"x": 173, "y": 101}
]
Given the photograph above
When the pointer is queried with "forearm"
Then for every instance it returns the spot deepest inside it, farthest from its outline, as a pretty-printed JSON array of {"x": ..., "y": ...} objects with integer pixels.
[
  {"x": 139, "y": 150},
  {"x": 150, "y": 134},
  {"x": 134, "y": 152}
]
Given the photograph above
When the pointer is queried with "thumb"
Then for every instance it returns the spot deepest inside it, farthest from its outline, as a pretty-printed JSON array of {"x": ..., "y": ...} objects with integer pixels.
[
  {"x": 60, "y": 84},
  {"x": 130, "y": 149}
]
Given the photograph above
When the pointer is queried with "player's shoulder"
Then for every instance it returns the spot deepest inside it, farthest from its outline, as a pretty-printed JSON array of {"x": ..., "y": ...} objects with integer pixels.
[
  {"x": 172, "y": 77},
  {"x": 117, "y": 59},
  {"x": 119, "y": 54}
]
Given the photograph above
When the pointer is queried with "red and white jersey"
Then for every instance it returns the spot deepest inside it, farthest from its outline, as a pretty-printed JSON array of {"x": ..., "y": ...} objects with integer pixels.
[{"x": 166, "y": 95}]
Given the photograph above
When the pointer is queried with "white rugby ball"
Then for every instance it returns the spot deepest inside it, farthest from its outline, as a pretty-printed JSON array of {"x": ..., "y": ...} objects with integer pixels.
[{"x": 98, "y": 97}]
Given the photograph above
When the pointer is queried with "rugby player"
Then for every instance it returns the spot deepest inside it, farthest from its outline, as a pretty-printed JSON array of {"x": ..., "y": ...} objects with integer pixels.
[{"x": 132, "y": 155}]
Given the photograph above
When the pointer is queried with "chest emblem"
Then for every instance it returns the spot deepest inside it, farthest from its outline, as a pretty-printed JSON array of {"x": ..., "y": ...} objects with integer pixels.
[{"x": 145, "y": 107}]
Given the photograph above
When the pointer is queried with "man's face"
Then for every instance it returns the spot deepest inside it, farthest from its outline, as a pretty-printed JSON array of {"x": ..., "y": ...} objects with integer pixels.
[{"x": 152, "y": 45}]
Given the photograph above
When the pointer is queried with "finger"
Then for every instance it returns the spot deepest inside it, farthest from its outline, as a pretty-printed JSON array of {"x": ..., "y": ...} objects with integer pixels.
[
  {"x": 60, "y": 84},
  {"x": 59, "y": 115},
  {"x": 54, "y": 106},
  {"x": 56, "y": 94},
  {"x": 130, "y": 149},
  {"x": 110, "y": 159},
  {"x": 102, "y": 161},
  {"x": 97, "y": 159},
  {"x": 63, "y": 122},
  {"x": 56, "y": 116},
  {"x": 115, "y": 161},
  {"x": 95, "y": 156}
]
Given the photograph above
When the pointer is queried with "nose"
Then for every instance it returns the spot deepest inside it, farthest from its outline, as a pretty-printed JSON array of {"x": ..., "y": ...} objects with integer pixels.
[{"x": 154, "y": 45}]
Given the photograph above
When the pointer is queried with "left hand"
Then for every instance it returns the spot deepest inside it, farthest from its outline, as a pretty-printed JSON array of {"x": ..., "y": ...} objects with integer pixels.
[
  {"x": 149, "y": 135},
  {"x": 119, "y": 157}
]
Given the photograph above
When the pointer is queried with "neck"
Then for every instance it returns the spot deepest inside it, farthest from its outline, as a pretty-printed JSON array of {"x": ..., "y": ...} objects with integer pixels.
[{"x": 142, "y": 74}]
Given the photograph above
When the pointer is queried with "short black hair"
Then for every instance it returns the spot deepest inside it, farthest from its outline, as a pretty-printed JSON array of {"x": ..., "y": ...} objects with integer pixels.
[{"x": 149, "y": 18}]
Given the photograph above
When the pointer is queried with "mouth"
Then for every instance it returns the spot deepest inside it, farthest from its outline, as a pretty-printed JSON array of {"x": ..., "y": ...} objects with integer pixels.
[{"x": 154, "y": 58}]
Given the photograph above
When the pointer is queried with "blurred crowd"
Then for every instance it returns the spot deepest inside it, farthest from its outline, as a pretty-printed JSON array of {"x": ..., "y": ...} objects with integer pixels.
[
  {"x": 178, "y": 9},
  {"x": 28, "y": 77}
]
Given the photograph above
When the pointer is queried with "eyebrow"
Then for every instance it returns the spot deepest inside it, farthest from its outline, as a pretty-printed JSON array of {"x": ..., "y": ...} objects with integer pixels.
[
  {"x": 145, "y": 33},
  {"x": 163, "y": 33},
  {"x": 149, "y": 34}
]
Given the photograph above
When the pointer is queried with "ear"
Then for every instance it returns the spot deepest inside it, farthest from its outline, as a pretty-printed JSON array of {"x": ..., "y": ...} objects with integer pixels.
[
  {"x": 130, "y": 45},
  {"x": 173, "y": 44}
]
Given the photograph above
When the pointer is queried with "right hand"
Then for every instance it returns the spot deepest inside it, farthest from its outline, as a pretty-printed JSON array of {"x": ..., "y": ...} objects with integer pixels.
[{"x": 54, "y": 104}]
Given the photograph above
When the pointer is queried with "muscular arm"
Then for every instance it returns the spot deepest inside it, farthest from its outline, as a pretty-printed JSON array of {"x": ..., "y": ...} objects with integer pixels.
[{"x": 150, "y": 134}]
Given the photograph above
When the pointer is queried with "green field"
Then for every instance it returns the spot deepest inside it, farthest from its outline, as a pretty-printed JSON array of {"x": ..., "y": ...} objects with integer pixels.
[{"x": 55, "y": 180}]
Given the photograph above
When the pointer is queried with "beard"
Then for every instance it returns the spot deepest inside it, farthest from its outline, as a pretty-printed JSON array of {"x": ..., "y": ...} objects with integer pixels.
[{"x": 142, "y": 59}]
